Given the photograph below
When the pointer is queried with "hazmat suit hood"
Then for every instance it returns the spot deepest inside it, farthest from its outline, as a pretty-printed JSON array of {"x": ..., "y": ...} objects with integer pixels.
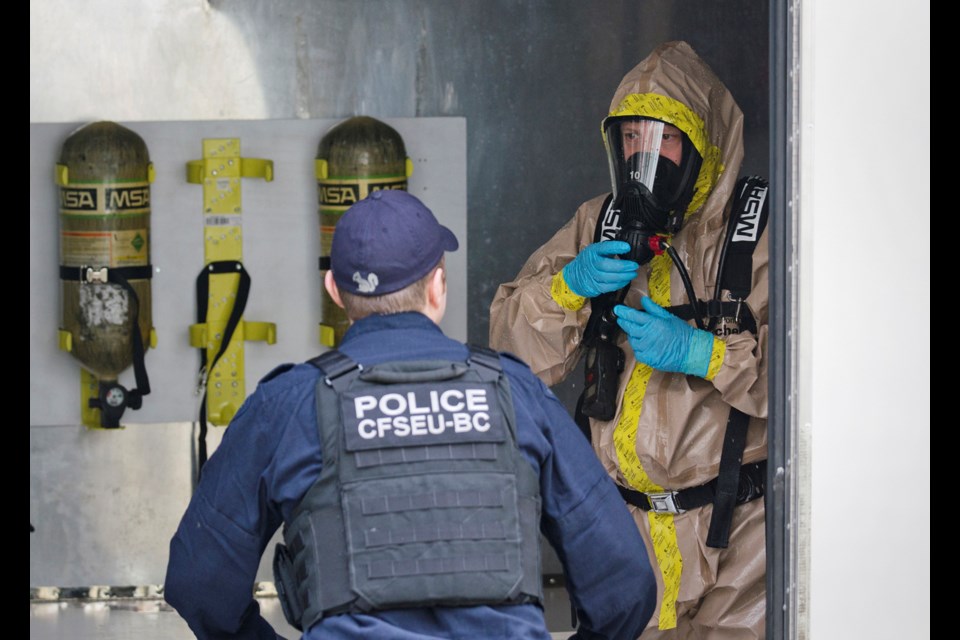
[{"x": 675, "y": 86}]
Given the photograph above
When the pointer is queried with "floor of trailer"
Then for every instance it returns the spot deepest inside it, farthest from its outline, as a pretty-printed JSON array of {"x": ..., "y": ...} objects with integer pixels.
[{"x": 153, "y": 619}]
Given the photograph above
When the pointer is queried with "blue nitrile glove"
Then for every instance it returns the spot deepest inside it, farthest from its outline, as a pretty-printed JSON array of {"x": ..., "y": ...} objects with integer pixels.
[
  {"x": 592, "y": 272},
  {"x": 664, "y": 341}
]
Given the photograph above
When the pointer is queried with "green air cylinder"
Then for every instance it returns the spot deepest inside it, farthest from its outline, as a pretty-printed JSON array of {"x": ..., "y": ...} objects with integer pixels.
[
  {"x": 356, "y": 157},
  {"x": 104, "y": 175}
]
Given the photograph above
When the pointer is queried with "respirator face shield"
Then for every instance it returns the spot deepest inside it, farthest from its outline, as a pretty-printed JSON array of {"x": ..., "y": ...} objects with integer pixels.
[{"x": 656, "y": 162}]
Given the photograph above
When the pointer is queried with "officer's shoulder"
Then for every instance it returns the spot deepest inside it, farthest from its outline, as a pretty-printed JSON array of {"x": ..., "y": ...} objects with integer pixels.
[
  {"x": 290, "y": 372},
  {"x": 277, "y": 371},
  {"x": 514, "y": 358},
  {"x": 490, "y": 351},
  {"x": 522, "y": 378}
]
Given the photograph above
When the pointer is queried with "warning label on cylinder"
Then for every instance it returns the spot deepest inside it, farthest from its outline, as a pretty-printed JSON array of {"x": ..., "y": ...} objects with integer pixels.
[{"x": 126, "y": 248}]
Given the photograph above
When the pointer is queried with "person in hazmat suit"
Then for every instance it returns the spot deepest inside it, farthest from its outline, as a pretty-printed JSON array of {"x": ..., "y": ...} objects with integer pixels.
[{"x": 674, "y": 345}]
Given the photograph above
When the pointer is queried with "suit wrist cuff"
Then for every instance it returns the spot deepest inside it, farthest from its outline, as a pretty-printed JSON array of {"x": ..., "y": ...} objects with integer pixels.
[
  {"x": 699, "y": 353},
  {"x": 563, "y": 295},
  {"x": 716, "y": 358}
]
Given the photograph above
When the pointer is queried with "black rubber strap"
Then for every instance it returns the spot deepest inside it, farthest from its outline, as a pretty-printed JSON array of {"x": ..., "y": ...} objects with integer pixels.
[
  {"x": 139, "y": 367},
  {"x": 239, "y": 303},
  {"x": 728, "y": 479},
  {"x": 582, "y": 420},
  {"x": 88, "y": 273}
]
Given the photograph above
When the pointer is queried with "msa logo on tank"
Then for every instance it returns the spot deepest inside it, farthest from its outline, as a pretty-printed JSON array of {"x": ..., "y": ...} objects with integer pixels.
[
  {"x": 404, "y": 415},
  {"x": 350, "y": 193},
  {"x": 104, "y": 199},
  {"x": 748, "y": 224}
]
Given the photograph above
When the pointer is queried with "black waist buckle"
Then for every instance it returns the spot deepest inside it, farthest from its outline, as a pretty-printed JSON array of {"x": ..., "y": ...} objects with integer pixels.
[{"x": 753, "y": 477}]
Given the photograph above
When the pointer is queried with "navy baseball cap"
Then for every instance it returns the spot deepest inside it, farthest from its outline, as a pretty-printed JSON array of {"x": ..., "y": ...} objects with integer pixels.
[{"x": 386, "y": 242}]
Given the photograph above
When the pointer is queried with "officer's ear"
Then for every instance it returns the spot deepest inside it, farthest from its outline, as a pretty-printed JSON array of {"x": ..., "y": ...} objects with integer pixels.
[
  {"x": 437, "y": 294},
  {"x": 331, "y": 286},
  {"x": 438, "y": 283}
]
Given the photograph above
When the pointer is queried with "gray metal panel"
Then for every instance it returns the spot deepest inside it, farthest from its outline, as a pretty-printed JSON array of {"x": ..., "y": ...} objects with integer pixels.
[
  {"x": 155, "y": 620},
  {"x": 106, "y": 503}
]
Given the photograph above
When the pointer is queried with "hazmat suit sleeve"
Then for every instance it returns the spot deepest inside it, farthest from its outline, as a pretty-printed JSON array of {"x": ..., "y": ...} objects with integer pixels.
[{"x": 530, "y": 318}]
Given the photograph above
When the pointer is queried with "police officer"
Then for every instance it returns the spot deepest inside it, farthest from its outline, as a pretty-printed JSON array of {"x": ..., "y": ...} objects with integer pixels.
[{"x": 413, "y": 500}]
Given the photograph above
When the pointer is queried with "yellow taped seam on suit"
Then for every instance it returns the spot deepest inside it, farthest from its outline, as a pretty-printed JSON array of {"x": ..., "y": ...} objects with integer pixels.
[{"x": 663, "y": 533}]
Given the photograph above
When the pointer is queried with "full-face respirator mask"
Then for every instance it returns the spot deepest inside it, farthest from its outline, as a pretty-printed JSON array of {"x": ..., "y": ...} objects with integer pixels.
[{"x": 653, "y": 170}]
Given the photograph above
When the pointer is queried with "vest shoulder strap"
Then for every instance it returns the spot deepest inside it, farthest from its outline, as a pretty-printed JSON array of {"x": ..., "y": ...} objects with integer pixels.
[
  {"x": 488, "y": 360},
  {"x": 334, "y": 366}
]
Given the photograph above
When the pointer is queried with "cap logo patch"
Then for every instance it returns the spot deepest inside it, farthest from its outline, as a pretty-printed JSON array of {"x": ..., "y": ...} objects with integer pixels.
[{"x": 366, "y": 285}]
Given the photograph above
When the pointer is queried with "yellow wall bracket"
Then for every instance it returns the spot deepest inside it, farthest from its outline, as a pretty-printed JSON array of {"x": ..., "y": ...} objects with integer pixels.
[{"x": 220, "y": 172}]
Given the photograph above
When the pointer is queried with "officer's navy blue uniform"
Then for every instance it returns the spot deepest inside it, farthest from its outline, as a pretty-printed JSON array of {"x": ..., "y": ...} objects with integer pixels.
[{"x": 270, "y": 456}]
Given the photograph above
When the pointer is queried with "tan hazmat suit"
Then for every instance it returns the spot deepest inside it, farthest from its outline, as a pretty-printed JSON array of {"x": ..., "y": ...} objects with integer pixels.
[{"x": 668, "y": 430}]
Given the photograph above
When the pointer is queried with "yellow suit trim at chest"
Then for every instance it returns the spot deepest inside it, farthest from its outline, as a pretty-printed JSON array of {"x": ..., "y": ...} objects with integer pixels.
[{"x": 663, "y": 533}]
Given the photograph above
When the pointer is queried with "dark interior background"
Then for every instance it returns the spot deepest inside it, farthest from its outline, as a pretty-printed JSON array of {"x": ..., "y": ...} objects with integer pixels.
[{"x": 533, "y": 80}]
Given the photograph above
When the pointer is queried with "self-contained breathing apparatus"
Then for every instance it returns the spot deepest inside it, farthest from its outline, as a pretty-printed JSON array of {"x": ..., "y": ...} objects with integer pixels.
[
  {"x": 651, "y": 193},
  {"x": 424, "y": 498},
  {"x": 104, "y": 174},
  {"x": 356, "y": 157},
  {"x": 650, "y": 197}
]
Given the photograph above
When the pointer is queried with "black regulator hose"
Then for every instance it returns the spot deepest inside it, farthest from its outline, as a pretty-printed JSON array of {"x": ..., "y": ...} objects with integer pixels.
[{"x": 687, "y": 284}]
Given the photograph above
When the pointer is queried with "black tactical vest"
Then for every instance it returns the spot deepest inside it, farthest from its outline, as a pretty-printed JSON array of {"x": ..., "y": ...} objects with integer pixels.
[{"x": 424, "y": 498}]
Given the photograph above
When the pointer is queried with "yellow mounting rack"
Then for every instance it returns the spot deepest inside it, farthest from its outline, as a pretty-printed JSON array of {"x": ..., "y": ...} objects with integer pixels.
[{"x": 220, "y": 172}]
